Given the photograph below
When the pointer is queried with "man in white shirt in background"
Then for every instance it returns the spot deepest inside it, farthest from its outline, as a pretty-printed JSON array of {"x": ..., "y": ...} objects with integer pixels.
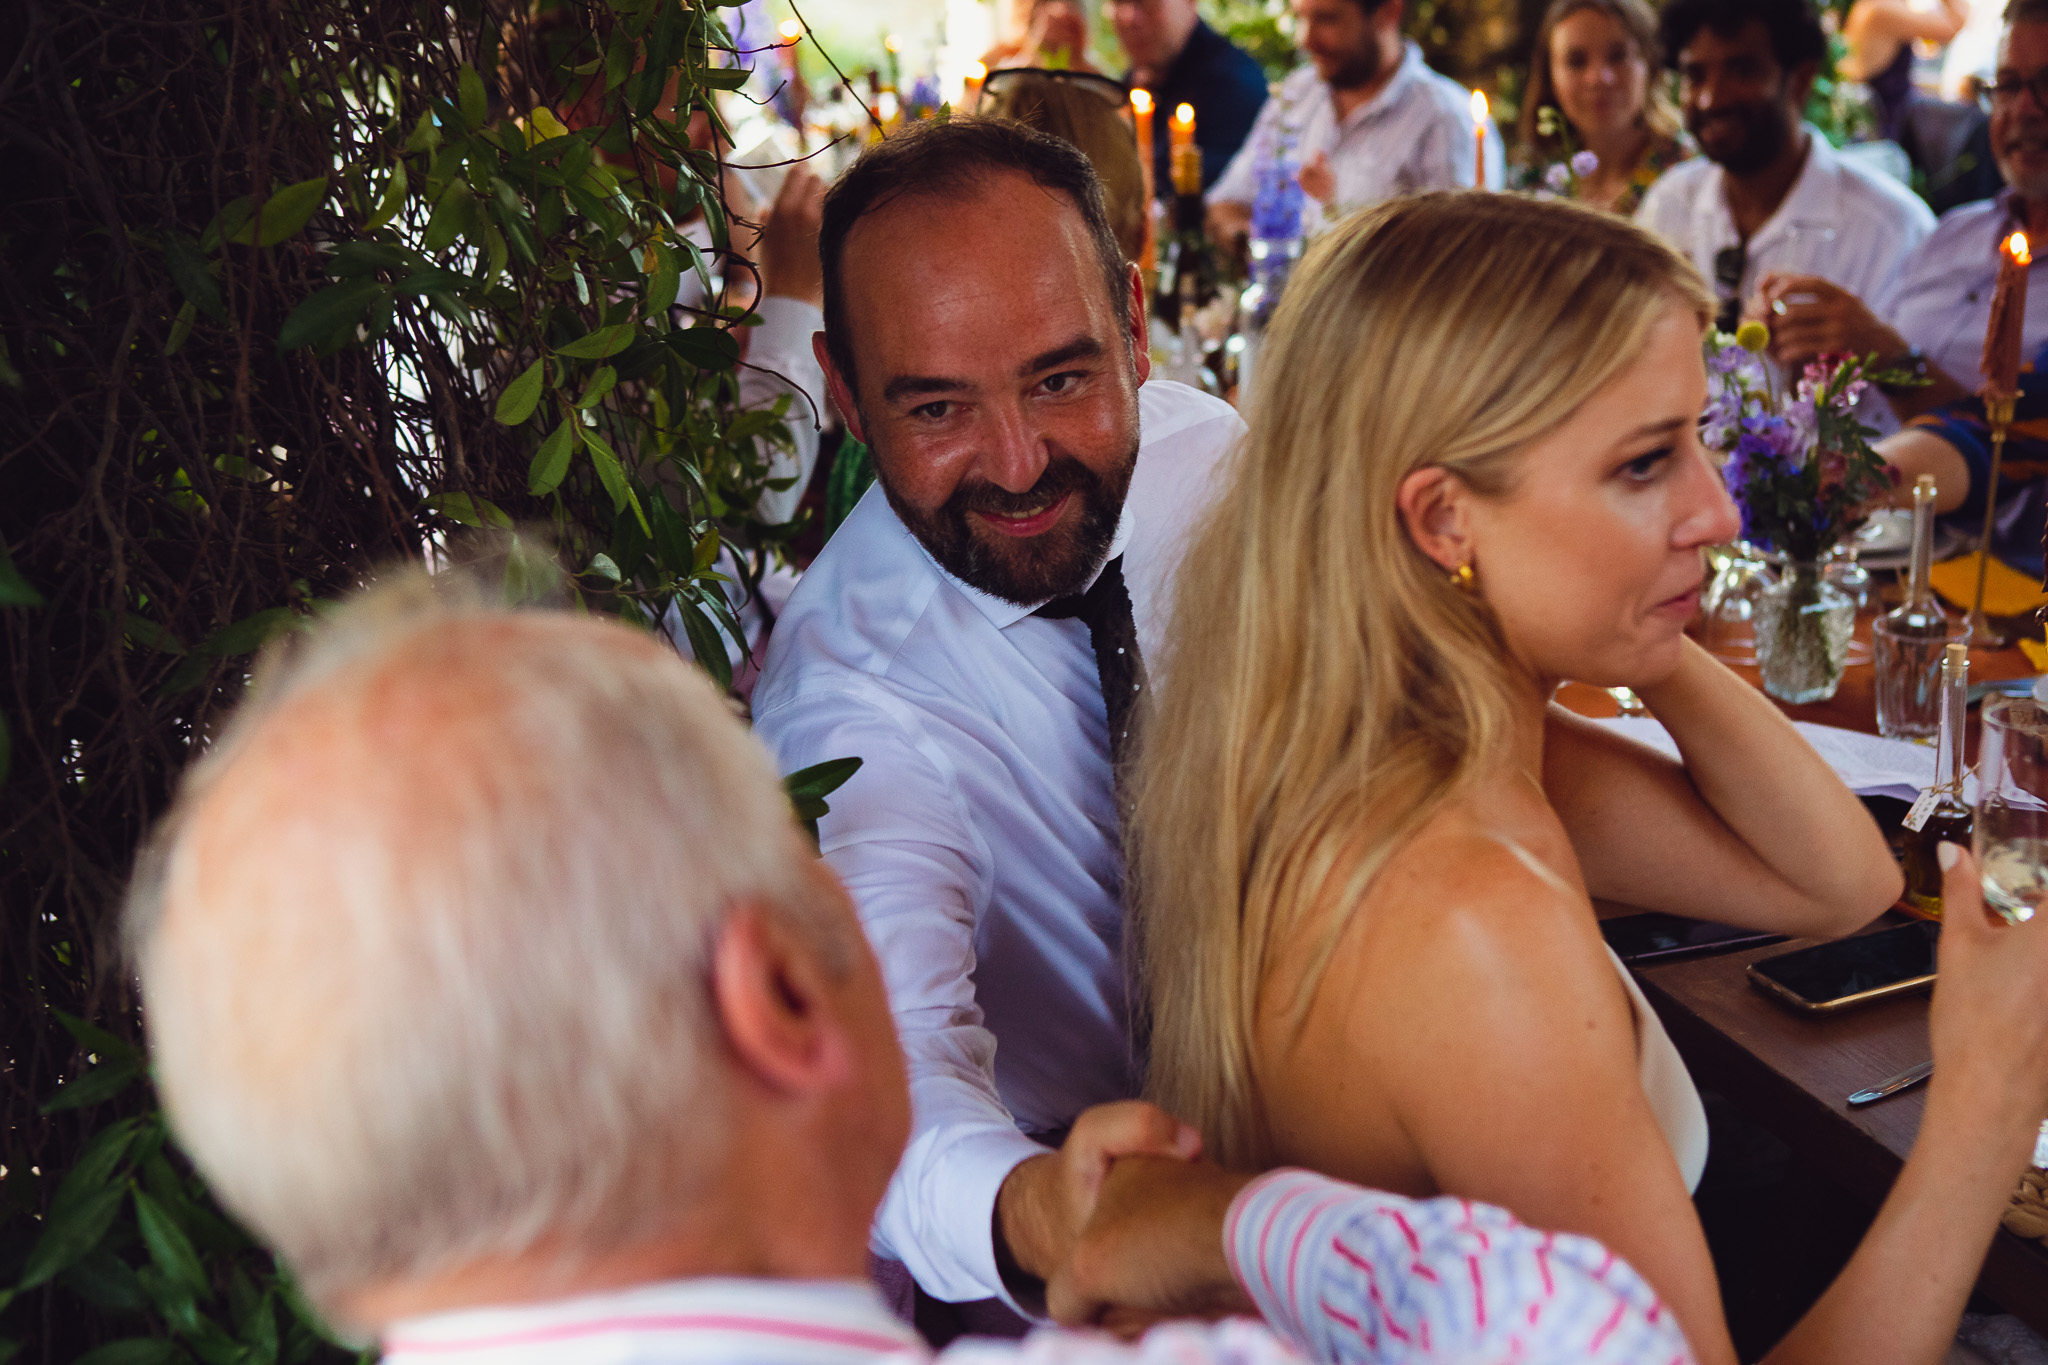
[
  {"x": 1769, "y": 194},
  {"x": 985, "y": 337},
  {"x": 1370, "y": 119},
  {"x": 569, "y": 1051}
]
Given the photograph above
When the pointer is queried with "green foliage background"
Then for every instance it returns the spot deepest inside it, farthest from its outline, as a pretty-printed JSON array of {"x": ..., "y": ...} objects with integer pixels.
[{"x": 289, "y": 292}]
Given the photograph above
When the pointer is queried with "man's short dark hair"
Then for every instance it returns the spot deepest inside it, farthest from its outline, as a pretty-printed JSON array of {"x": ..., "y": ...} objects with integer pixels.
[
  {"x": 945, "y": 156},
  {"x": 1796, "y": 34},
  {"x": 2025, "y": 12}
]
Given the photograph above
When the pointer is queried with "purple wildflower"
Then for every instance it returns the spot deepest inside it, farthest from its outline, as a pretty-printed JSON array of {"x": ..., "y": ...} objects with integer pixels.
[
  {"x": 1558, "y": 178},
  {"x": 1584, "y": 163}
]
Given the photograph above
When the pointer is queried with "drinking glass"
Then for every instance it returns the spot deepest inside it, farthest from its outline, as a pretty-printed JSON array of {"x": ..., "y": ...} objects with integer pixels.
[
  {"x": 1909, "y": 675},
  {"x": 2011, "y": 834}
]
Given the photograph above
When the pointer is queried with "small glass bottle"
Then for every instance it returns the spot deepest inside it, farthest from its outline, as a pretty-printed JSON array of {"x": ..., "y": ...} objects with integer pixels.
[
  {"x": 1940, "y": 815},
  {"x": 1908, "y": 641}
]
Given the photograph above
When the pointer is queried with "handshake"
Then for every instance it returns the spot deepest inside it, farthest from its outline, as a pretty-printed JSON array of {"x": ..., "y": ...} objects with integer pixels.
[{"x": 1123, "y": 1225}]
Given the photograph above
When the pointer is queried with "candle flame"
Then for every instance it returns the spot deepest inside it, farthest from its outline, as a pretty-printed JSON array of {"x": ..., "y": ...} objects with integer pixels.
[
  {"x": 977, "y": 71},
  {"x": 1184, "y": 115},
  {"x": 2017, "y": 246},
  {"x": 1141, "y": 100},
  {"x": 790, "y": 30},
  {"x": 893, "y": 43},
  {"x": 1479, "y": 106}
]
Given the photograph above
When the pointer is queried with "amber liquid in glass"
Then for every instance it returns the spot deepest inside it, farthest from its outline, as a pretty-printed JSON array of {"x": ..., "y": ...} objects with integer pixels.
[{"x": 1950, "y": 821}]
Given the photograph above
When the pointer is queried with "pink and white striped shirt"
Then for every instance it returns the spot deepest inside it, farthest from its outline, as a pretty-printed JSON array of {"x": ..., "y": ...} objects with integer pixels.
[{"x": 1343, "y": 1276}]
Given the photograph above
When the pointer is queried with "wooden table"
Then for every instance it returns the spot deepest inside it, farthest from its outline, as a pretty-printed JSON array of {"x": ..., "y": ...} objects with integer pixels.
[{"x": 1793, "y": 1073}]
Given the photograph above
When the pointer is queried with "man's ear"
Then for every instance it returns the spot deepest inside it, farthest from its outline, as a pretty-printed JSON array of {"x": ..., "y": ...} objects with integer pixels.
[
  {"x": 1799, "y": 86},
  {"x": 1140, "y": 329},
  {"x": 1435, "y": 506},
  {"x": 776, "y": 1005},
  {"x": 841, "y": 391}
]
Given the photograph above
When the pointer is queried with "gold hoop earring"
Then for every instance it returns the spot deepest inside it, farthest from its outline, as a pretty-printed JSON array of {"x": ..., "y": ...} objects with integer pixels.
[{"x": 1462, "y": 580}]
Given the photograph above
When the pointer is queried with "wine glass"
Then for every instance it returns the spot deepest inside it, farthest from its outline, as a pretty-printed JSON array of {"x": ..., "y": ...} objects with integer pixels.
[{"x": 2010, "y": 836}]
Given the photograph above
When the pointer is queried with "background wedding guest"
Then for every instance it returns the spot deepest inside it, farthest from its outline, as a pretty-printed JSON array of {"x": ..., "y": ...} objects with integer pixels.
[
  {"x": 1879, "y": 35},
  {"x": 1592, "y": 70},
  {"x": 1370, "y": 119},
  {"x": 543, "y": 842},
  {"x": 1931, "y": 317},
  {"x": 1181, "y": 60},
  {"x": 985, "y": 336},
  {"x": 1769, "y": 192},
  {"x": 1042, "y": 33}
]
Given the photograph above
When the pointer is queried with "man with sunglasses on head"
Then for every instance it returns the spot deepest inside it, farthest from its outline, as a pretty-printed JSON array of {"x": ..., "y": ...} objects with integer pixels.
[
  {"x": 976, "y": 633},
  {"x": 1181, "y": 60},
  {"x": 1769, "y": 194}
]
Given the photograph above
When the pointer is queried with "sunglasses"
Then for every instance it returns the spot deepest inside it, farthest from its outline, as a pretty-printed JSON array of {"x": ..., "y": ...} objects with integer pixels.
[
  {"x": 1109, "y": 91},
  {"x": 1730, "y": 263}
]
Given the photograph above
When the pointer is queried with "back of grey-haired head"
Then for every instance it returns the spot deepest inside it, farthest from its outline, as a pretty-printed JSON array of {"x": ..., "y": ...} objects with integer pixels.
[{"x": 423, "y": 941}]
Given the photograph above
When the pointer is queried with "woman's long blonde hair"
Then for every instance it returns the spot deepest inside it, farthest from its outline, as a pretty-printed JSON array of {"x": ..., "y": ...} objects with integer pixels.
[{"x": 1326, "y": 688}]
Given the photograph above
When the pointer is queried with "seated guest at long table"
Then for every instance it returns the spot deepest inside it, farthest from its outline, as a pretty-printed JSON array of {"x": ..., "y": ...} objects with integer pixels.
[
  {"x": 1769, "y": 192},
  {"x": 1932, "y": 317},
  {"x": 1366, "y": 842},
  {"x": 1369, "y": 117},
  {"x": 1953, "y": 443},
  {"x": 490, "y": 981},
  {"x": 976, "y": 633}
]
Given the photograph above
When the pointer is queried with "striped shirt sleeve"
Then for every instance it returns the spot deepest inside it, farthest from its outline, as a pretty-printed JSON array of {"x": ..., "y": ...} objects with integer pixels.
[{"x": 1354, "y": 1275}]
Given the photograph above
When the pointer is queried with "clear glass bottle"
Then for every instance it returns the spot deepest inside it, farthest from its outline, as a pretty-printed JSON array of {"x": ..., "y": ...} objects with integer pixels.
[
  {"x": 1909, "y": 641},
  {"x": 1940, "y": 815},
  {"x": 1276, "y": 241}
]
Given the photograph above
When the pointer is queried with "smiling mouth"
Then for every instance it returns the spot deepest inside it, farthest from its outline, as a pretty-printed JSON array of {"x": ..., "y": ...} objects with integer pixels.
[{"x": 1034, "y": 521}]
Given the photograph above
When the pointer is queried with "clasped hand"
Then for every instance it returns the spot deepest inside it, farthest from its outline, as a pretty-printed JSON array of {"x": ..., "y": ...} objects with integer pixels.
[{"x": 1124, "y": 1224}]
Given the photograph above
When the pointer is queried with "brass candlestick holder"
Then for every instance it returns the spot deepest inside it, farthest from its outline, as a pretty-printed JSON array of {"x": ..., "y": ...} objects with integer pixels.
[{"x": 1998, "y": 411}]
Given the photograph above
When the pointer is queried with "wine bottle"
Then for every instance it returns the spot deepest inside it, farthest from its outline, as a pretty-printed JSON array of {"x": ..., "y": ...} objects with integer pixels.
[
  {"x": 1940, "y": 815},
  {"x": 1187, "y": 265}
]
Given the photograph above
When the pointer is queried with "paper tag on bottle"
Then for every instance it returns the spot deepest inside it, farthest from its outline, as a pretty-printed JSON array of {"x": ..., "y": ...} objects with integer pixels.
[{"x": 1922, "y": 808}]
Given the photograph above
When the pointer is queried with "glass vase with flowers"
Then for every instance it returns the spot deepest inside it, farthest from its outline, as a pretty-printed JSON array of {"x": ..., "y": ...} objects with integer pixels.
[{"x": 1801, "y": 470}]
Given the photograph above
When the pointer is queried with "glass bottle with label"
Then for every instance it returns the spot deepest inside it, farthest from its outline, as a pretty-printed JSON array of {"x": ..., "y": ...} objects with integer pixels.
[
  {"x": 1940, "y": 815},
  {"x": 1188, "y": 270},
  {"x": 1909, "y": 641}
]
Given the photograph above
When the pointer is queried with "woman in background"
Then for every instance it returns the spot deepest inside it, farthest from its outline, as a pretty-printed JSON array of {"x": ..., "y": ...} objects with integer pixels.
[
  {"x": 1365, "y": 844},
  {"x": 1092, "y": 112},
  {"x": 1593, "y": 70},
  {"x": 1880, "y": 35}
]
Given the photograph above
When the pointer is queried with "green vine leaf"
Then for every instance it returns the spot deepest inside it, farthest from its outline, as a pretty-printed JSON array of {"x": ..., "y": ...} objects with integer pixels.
[
  {"x": 168, "y": 1245},
  {"x": 391, "y": 200},
  {"x": 522, "y": 395},
  {"x": 284, "y": 214},
  {"x": 551, "y": 461},
  {"x": 131, "y": 1351},
  {"x": 469, "y": 510},
  {"x": 597, "y": 345}
]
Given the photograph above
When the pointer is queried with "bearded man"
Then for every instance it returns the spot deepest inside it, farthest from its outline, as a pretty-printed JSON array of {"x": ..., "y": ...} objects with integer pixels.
[
  {"x": 1369, "y": 118},
  {"x": 975, "y": 632},
  {"x": 1770, "y": 196}
]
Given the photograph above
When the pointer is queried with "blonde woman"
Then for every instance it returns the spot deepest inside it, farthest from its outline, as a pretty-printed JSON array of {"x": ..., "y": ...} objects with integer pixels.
[{"x": 1366, "y": 842}]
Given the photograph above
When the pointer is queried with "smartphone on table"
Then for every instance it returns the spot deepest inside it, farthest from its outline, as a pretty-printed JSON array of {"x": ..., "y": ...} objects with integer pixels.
[{"x": 1851, "y": 971}]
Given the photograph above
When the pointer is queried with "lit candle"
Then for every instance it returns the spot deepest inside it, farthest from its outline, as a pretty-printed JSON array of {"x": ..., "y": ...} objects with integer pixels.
[
  {"x": 1479, "y": 139},
  {"x": 2002, "y": 344},
  {"x": 1183, "y": 126},
  {"x": 1141, "y": 117},
  {"x": 976, "y": 74},
  {"x": 790, "y": 30}
]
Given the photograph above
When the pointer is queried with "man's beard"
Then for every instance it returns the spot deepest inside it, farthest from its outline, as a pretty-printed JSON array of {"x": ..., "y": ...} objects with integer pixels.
[
  {"x": 1357, "y": 70},
  {"x": 1031, "y": 569},
  {"x": 1764, "y": 135}
]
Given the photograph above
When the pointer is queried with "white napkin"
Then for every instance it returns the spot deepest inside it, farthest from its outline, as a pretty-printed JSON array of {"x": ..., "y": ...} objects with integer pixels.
[{"x": 1868, "y": 765}]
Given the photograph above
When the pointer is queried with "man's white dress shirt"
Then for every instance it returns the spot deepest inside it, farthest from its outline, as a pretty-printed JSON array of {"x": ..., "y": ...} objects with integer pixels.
[
  {"x": 980, "y": 837},
  {"x": 1415, "y": 134},
  {"x": 1343, "y": 1276},
  {"x": 1941, "y": 301},
  {"x": 1849, "y": 225}
]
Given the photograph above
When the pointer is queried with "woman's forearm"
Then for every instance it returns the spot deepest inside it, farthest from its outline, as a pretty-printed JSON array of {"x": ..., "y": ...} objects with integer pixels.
[
  {"x": 1902, "y": 1293},
  {"x": 1776, "y": 794}
]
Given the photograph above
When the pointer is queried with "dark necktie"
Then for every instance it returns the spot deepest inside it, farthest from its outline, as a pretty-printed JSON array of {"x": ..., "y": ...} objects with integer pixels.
[{"x": 1106, "y": 608}]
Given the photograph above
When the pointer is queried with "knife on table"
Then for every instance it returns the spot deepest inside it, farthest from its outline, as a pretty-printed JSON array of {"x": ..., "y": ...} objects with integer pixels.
[{"x": 1905, "y": 1080}]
